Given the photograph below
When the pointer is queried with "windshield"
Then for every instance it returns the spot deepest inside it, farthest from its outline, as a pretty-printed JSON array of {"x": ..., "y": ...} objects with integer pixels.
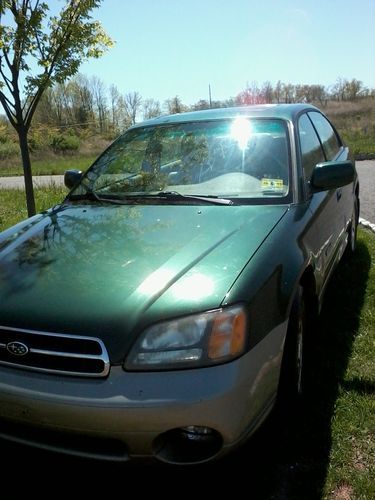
[{"x": 240, "y": 159}]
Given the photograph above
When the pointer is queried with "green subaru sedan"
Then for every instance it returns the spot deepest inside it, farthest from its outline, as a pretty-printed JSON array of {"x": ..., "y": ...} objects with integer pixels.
[{"x": 162, "y": 309}]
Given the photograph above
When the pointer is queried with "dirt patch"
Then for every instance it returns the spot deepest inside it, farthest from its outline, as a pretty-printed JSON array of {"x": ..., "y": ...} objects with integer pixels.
[{"x": 342, "y": 492}]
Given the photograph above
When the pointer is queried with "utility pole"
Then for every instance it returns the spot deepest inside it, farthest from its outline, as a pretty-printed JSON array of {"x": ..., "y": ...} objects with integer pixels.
[{"x": 209, "y": 95}]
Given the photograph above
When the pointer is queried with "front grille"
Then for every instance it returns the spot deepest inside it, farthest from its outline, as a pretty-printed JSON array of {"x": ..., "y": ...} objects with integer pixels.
[{"x": 53, "y": 352}]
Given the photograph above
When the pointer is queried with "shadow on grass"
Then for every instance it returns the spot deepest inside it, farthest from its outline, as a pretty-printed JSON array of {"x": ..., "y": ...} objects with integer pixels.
[{"x": 288, "y": 457}]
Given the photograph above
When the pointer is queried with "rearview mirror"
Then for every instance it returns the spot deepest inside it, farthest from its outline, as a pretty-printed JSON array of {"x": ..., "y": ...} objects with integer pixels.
[
  {"x": 332, "y": 174},
  {"x": 72, "y": 177}
]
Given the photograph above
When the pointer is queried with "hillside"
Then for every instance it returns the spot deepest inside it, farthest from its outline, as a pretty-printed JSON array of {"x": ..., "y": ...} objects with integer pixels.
[
  {"x": 53, "y": 150},
  {"x": 355, "y": 121}
]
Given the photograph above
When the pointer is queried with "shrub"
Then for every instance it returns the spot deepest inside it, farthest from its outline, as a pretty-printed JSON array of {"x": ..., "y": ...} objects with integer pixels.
[
  {"x": 38, "y": 139},
  {"x": 8, "y": 150},
  {"x": 64, "y": 143},
  {"x": 6, "y": 133}
]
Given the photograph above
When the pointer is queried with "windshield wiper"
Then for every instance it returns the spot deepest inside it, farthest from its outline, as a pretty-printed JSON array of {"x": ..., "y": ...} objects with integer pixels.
[
  {"x": 93, "y": 196},
  {"x": 161, "y": 195},
  {"x": 175, "y": 196}
]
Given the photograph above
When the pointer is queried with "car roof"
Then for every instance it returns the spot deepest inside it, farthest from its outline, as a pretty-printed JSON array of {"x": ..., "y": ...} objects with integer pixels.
[{"x": 282, "y": 111}]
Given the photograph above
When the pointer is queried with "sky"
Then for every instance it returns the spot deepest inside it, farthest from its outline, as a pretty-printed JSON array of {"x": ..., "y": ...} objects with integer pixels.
[{"x": 166, "y": 48}]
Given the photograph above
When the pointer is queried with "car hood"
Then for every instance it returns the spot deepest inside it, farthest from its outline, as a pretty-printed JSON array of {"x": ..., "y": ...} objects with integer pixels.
[{"x": 108, "y": 271}]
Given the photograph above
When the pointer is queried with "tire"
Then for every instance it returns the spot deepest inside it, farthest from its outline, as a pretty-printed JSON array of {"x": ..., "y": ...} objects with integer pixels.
[
  {"x": 352, "y": 233},
  {"x": 292, "y": 384}
]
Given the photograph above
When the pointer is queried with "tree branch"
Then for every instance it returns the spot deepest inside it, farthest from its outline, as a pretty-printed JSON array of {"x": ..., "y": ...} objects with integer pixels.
[
  {"x": 11, "y": 116},
  {"x": 25, "y": 5},
  {"x": 8, "y": 101},
  {"x": 7, "y": 60},
  {"x": 65, "y": 35},
  {"x": 6, "y": 79},
  {"x": 32, "y": 105},
  {"x": 48, "y": 72},
  {"x": 40, "y": 48}
]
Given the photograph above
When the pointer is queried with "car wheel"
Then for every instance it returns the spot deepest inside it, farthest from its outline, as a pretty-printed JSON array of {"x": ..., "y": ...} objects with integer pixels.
[
  {"x": 352, "y": 236},
  {"x": 293, "y": 368}
]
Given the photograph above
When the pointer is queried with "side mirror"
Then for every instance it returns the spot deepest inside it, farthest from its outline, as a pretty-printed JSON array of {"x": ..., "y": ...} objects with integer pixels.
[
  {"x": 72, "y": 177},
  {"x": 332, "y": 174}
]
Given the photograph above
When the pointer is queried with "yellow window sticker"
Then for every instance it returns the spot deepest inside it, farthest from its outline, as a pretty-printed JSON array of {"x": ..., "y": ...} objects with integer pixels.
[{"x": 274, "y": 185}]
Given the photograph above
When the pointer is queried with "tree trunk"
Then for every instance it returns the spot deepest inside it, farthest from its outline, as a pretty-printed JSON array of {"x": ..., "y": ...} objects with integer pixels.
[{"x": 26, "y": 163}]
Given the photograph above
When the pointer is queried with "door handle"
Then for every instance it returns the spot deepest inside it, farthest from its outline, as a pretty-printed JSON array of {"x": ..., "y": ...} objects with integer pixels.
[{"x": 338, "y": 194}]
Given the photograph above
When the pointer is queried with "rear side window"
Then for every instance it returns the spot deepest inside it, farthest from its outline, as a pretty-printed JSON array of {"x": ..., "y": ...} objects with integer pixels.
[
  {"x": 328, "y": 136},
  {"x": 311, "y": 149}
]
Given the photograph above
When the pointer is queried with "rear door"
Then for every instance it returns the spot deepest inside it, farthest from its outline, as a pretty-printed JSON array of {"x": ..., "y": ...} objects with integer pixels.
[
  {"x": 318, "y": 143},
  {"x": 343, "y": 196}
]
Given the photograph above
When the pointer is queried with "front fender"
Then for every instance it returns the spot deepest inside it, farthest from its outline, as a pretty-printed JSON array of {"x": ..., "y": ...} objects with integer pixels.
[{"x": 270, "y": 280}]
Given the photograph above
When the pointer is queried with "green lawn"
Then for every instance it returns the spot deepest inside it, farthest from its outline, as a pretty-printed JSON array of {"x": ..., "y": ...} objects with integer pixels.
[
  {"x": 361, "y": 147},
  {"x": 13, "y": 204},
  {"x": 52, "y": 166},
  {"x": 352, "y": 455},
  {"x": 326, "y": 449},
  {"x": 343, "y": 401}
]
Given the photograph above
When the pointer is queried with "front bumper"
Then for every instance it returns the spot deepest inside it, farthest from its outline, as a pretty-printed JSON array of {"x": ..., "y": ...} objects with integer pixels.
[{"x": 127, "y": 414}]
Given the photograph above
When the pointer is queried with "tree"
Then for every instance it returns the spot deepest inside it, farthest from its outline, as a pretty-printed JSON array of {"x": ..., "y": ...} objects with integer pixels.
[
  {"x": 67, "y": 104},
  {"x": 251, "y": 95},
  {"x": 99, "y": 93},
  {"x": 200, "y": 105},
  {"x": 278, "y": 91},
  {"x": 338, "y": 89},
  {"x": 38, "y": 49},
  {"x": 151, "y": 108},
  {"x": 174, "y": 105},
  {"x": 117, "y": 107},
  {"x": 267, "y": 92},
  {"x": 133, "y": 102},
  {"x": 354, "y": 88},
  {"x": 82, "y": 101},
  {"x": 289, "y": 92}
]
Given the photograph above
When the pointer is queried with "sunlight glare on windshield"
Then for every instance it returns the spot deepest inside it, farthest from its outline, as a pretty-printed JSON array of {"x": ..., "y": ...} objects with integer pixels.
[{"x": 241, "y": 131}]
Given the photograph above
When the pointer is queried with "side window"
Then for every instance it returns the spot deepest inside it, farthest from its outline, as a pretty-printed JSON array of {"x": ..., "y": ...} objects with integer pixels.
[
  {"x": 330, "y": 141},
  {"x": 311, "y": 150}
]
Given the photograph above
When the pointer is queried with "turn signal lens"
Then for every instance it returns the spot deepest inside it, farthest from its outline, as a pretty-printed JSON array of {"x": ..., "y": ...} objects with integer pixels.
[{"x": 228, "y": 334}]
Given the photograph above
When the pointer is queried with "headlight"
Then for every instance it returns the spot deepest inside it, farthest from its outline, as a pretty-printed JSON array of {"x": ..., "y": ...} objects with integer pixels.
[{"x": 199, "y": 340}]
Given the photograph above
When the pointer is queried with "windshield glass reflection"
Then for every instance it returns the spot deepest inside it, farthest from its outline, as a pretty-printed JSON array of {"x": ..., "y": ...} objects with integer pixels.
[{"x": 241, "y": 158}]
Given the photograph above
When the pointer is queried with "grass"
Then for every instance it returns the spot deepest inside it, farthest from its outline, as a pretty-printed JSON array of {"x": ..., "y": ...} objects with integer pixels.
[
  {"x": 348, "y": 373},
  {"x": 325, "y": 450},
  {"x": 355, "y": 121},
  {"x": 363, "y": 148},
  {"x": 48, "y": 166},
  {"x": 13, "y": 203},
  {"x": 352, "y": 458}
]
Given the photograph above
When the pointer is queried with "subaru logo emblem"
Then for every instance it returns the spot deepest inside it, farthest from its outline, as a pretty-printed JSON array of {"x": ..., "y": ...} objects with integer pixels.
[{"x": 17, "y": 348}]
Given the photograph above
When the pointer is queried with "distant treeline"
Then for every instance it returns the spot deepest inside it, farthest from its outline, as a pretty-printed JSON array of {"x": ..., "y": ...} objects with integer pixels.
[
  {"x": 86, "y": 103},
  {"x": 72, "y": 112}
]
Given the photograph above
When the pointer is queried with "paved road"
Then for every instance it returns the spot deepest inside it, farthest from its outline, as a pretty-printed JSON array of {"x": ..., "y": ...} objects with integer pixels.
[
  {"x": 366, "y": 172},
  {"x": 38, "y": 180}
]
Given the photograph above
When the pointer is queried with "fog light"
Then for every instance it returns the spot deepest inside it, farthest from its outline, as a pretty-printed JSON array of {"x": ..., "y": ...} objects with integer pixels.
[
  {"x": 188, "y": 445},
  {"x": 196, "y": 432}
]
